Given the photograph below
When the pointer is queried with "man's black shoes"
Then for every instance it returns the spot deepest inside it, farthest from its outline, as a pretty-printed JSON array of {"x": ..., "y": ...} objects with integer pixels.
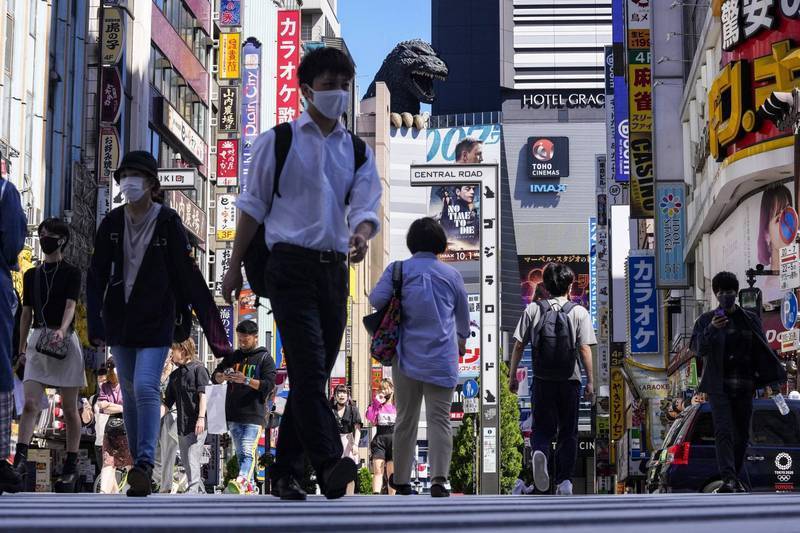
[
  {"x": 140, "y": 480},
  {"x": 288, "y": 489},
  {"x": 10, "y": 479},
  {"x": 730, "y": 486},
  {"x": 402, "y": 490},
  {"x": 337, "y": 476}
]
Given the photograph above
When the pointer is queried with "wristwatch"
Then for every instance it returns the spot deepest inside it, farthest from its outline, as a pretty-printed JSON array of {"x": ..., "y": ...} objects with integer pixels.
[{"x": 247, "y": 381}]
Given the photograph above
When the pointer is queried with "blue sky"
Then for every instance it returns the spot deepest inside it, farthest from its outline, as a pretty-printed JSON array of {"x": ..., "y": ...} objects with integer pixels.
[{"x": 372, "y": 28}]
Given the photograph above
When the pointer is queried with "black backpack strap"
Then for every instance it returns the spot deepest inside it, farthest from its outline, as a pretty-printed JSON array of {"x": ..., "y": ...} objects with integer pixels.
[
  {"x": 283, "y": 143},
  {"x": 359, "y": 158},
  {"x": 567, "y": 307},
  {"x": 544, "y": 307}
]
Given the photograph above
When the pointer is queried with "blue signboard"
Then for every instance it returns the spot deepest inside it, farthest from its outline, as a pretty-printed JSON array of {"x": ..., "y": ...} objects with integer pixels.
[
  {"x": 621, "y": 163},
  {"x": 789, "y": 310},
  {"x": 470, "y": 389},
  {"x": 442, "y": 141},
  {"x": 230, "y": 12},
  {"x": 278, "y": 353},
  {"x": 251, "y": 105},
  {"x": 593, "y": 271},
  {"x": 226, "y": 314},
  {"x": 644, "y": 311},
  {"x": 671, "y": 235}
]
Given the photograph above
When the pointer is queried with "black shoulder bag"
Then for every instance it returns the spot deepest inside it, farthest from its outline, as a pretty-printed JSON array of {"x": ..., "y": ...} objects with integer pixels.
[{"x": 47, "y": 344}]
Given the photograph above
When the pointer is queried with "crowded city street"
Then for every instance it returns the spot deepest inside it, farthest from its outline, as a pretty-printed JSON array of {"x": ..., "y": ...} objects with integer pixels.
[{"x": 414, "y": 265}]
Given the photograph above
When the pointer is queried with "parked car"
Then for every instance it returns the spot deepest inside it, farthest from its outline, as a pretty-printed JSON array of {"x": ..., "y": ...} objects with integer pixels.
[{"x": 687, "y": 462}]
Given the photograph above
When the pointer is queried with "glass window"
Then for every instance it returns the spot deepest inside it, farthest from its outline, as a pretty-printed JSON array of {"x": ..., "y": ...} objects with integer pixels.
[
  {"x": 306, "y": 25},
  {"x": 28, "y": 133},
  {"x": 770, "y": 428},
  {"x": 32, "y": 18},
  {"x": 9, "y": 45},
  {"x": 703, "y": 430}
]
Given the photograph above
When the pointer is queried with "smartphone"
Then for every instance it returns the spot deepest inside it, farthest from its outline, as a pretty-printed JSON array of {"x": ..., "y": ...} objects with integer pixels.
[
  {"x": 719, "y": 312},
  {"x": 228, "y": 371}
]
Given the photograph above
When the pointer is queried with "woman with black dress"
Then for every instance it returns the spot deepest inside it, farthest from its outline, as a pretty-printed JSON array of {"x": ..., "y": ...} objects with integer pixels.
[
  {"x": 51, "y": 351},
  {"x": 349, "y": 421}
]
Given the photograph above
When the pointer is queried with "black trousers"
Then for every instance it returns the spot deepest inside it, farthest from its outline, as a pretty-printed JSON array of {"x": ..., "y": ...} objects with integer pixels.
[
  {"x": 555, "y": 417},
  {"x": 309, "y": 305},
  {"x": 731, "y": 414}
]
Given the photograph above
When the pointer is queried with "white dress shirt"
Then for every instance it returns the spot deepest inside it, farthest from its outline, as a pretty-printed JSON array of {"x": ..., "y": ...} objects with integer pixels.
[{"x": 317, "y": 175}]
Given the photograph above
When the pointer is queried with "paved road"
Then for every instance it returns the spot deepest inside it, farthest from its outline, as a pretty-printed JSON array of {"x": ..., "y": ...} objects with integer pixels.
[{"x": 706, "y": 513}]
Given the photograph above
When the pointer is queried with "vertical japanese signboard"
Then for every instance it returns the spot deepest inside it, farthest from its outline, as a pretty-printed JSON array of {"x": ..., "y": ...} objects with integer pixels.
[
  {"x": 228, "y": 110},
  {"x": 230, "y": 12},
  {"x": 621, "y": 159},
  {"x": 194, "y": 218},
  {"x": 643, "y": 308},
  {"x": 640, "y": 109},
  {"x": 226, "y": 315},
  {"x": 223, "y": 263},
  {"x": 288, "y": 89},
  {"x": 593, "y": 271},
  {"x": 251, "y": 106},
  {"x": 671, "y": 235},
  {"x": 227, "y": 162},
  {"x": 112, "y": 37},
  {"x": 230, "y": 49},
  {"x": 617, "y": 408},
  {"x": 110, "y": 95},
  {"x": 226, "y": 217}
]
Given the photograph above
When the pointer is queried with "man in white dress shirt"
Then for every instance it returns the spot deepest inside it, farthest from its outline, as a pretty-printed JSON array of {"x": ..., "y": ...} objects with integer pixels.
[{"x": 324, "y": 211}]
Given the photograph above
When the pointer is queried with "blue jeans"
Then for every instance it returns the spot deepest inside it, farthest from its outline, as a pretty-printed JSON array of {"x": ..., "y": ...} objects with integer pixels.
[
  {"x": 245, "y": 441},
  {"x": 139, "y": 371}
]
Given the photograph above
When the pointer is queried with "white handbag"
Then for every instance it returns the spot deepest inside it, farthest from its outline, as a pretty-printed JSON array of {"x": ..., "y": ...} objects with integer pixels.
[{"x": 216, "y": 423}]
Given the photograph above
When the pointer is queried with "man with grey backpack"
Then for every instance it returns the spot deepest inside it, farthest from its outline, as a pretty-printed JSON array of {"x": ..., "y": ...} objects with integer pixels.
[{"x": 561, "y": 336}]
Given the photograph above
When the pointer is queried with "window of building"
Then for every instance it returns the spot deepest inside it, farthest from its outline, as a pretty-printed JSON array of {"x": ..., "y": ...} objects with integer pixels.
[
  {"x": 28, "y": 134},
  {"x": 9, "y": 45},
  {"x": 306, "y": 26},
  {"x": 32, "y": 18},
  {"x": 185, "y": 25},
  {"x": 328, "y": 29}
]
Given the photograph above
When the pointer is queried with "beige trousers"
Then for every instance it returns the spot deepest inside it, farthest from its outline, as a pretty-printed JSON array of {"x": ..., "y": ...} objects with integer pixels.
[{"x": 408, "y": 397}]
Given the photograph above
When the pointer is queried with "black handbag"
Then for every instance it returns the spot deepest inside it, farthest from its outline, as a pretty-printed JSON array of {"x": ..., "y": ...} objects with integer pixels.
[
  {"x": 115, "y": 426},
  {"x": 46, "y": 343}
]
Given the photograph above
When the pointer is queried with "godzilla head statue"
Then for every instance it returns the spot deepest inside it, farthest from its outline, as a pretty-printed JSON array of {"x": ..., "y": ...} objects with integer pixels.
[{"x": 409, "y": 71}]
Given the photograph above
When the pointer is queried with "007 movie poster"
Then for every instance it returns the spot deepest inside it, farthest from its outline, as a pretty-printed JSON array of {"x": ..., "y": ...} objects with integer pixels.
[{"x": 457, "y": 209}]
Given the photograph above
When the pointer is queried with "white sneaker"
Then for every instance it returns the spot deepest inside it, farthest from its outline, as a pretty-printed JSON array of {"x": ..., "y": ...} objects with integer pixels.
[
  {"x": 564, "y": 488},
  {"x": 540, "y": 476}
]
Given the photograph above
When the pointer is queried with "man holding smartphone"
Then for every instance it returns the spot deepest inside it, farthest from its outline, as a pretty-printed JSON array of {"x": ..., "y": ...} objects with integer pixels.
[
  {"x": 736, "y": 359},
  {"x": 250, "y": 374}
]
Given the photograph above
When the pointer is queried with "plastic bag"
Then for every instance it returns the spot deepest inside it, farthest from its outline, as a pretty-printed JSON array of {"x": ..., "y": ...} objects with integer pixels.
[{"x": 216, "y": 423}]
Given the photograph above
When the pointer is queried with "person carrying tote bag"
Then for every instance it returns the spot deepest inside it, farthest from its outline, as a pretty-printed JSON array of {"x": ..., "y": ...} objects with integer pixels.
[{"x": 432, "y": 335}]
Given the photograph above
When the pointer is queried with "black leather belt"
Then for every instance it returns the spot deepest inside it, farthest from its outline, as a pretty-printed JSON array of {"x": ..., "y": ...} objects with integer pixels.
[{"x": 328, "y": 256}]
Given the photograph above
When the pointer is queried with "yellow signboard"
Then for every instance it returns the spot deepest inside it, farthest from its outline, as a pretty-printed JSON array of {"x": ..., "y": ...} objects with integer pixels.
[
  {"x": 642, "y": 175},
  {"x": 112, "y": 36},
  {"x": 617, "y": 409},
  {"x": 230, "y": 56},
  {"x": 641, "y": 98}
]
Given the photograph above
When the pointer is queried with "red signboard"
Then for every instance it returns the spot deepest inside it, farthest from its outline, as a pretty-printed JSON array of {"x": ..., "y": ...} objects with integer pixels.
[
  {"x": 110, "y": 95},
  {"x": 288, "y": 88},
  {"x": 227, "y": 162}
]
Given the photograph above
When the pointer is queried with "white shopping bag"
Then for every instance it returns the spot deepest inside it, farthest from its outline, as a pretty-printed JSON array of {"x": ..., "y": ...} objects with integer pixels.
[{"x": 216, "y": 423}]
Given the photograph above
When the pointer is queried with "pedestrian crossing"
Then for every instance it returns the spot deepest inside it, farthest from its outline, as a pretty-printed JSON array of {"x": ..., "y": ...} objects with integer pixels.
[{"x": 619, "y": 514}]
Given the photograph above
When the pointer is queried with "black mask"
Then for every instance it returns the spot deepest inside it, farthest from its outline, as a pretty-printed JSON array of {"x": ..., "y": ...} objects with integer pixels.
[{"x": 49, "y": 244}]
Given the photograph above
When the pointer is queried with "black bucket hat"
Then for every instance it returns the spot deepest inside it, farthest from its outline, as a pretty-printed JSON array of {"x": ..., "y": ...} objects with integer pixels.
[{"x": 140, "y": 160}]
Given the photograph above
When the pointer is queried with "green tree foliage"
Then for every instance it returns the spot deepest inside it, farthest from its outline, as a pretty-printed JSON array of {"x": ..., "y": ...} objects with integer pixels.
[
  {"x": 364, "y": 481},
  {"x": 231, "y": 470},
  {"x": 511, "y": 443},
  {"x": 462, "y": 466}
]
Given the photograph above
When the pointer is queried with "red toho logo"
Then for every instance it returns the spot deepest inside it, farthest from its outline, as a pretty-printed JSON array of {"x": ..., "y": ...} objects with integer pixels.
[{"x": 543, "y": 150}]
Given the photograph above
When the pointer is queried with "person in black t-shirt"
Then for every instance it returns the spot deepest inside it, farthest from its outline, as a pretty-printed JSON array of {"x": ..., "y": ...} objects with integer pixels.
[
  {"x": 250, "y": 374},
  {"x": 186, "y": 390},
  {"x": 349, "y": 420},
  {"x": 50, "y": 294}
]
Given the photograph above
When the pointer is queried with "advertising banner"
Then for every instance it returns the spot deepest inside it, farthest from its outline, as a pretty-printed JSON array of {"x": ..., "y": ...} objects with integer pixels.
[
  {"x": 751, "y": 235},
  {"x": 608, "y": 56},
  {"x": 251, "y": 106},
  {"x": 531, "y": 268},
  {"x": 109, "y": 154},
  {"x": 227, "y": 162},
  {"x": 226, "y": 314},
  {"x": 441, "y": 142},
  {"x": 457, "y": 209},
  {"x": 226, "y": 217},
  {"x": 230, "y": 12},
  {"x": 288, "y": 88},
  {"x": 229, "y": 109},
  {"x": 229, "y": 50},
  {"x": 110, "y": 95},
  {"x": 177, "y": 126},
  {"x": 194, "y": 218},
  {"x": 644, "y": 320},
  {"x": 593, "y": 271},
  {"x": 620, "y": 158},
  {"x": 617, "y": 407},
  {"x": 671, "y": 235},
  {"x": 248, "y": 304},
  {"x": 760, "y": 39},
  {"x": 223, "y": 263},
  {"x": 641, "y": 94},
  {"x": 112, "y": 39},
  {"x": 642, "y": 176},
  {"x": 469, "y": 364}
]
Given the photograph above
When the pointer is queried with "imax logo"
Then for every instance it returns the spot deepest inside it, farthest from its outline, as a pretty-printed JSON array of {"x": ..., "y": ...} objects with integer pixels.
[{"x": 551, "y": 188}]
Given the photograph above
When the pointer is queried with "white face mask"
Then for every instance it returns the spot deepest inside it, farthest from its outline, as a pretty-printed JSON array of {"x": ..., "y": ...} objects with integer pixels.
[
  {"x": 332, "y": 104},
  {"x": 132, "y": 187}
]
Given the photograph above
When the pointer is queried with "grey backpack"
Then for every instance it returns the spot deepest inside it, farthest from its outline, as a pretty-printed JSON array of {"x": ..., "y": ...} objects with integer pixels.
[{"x": 553, "y": 343}]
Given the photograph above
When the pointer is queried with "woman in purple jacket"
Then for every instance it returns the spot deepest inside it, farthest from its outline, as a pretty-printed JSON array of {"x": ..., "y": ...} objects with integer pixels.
[{"x": 433, "y": 333}]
